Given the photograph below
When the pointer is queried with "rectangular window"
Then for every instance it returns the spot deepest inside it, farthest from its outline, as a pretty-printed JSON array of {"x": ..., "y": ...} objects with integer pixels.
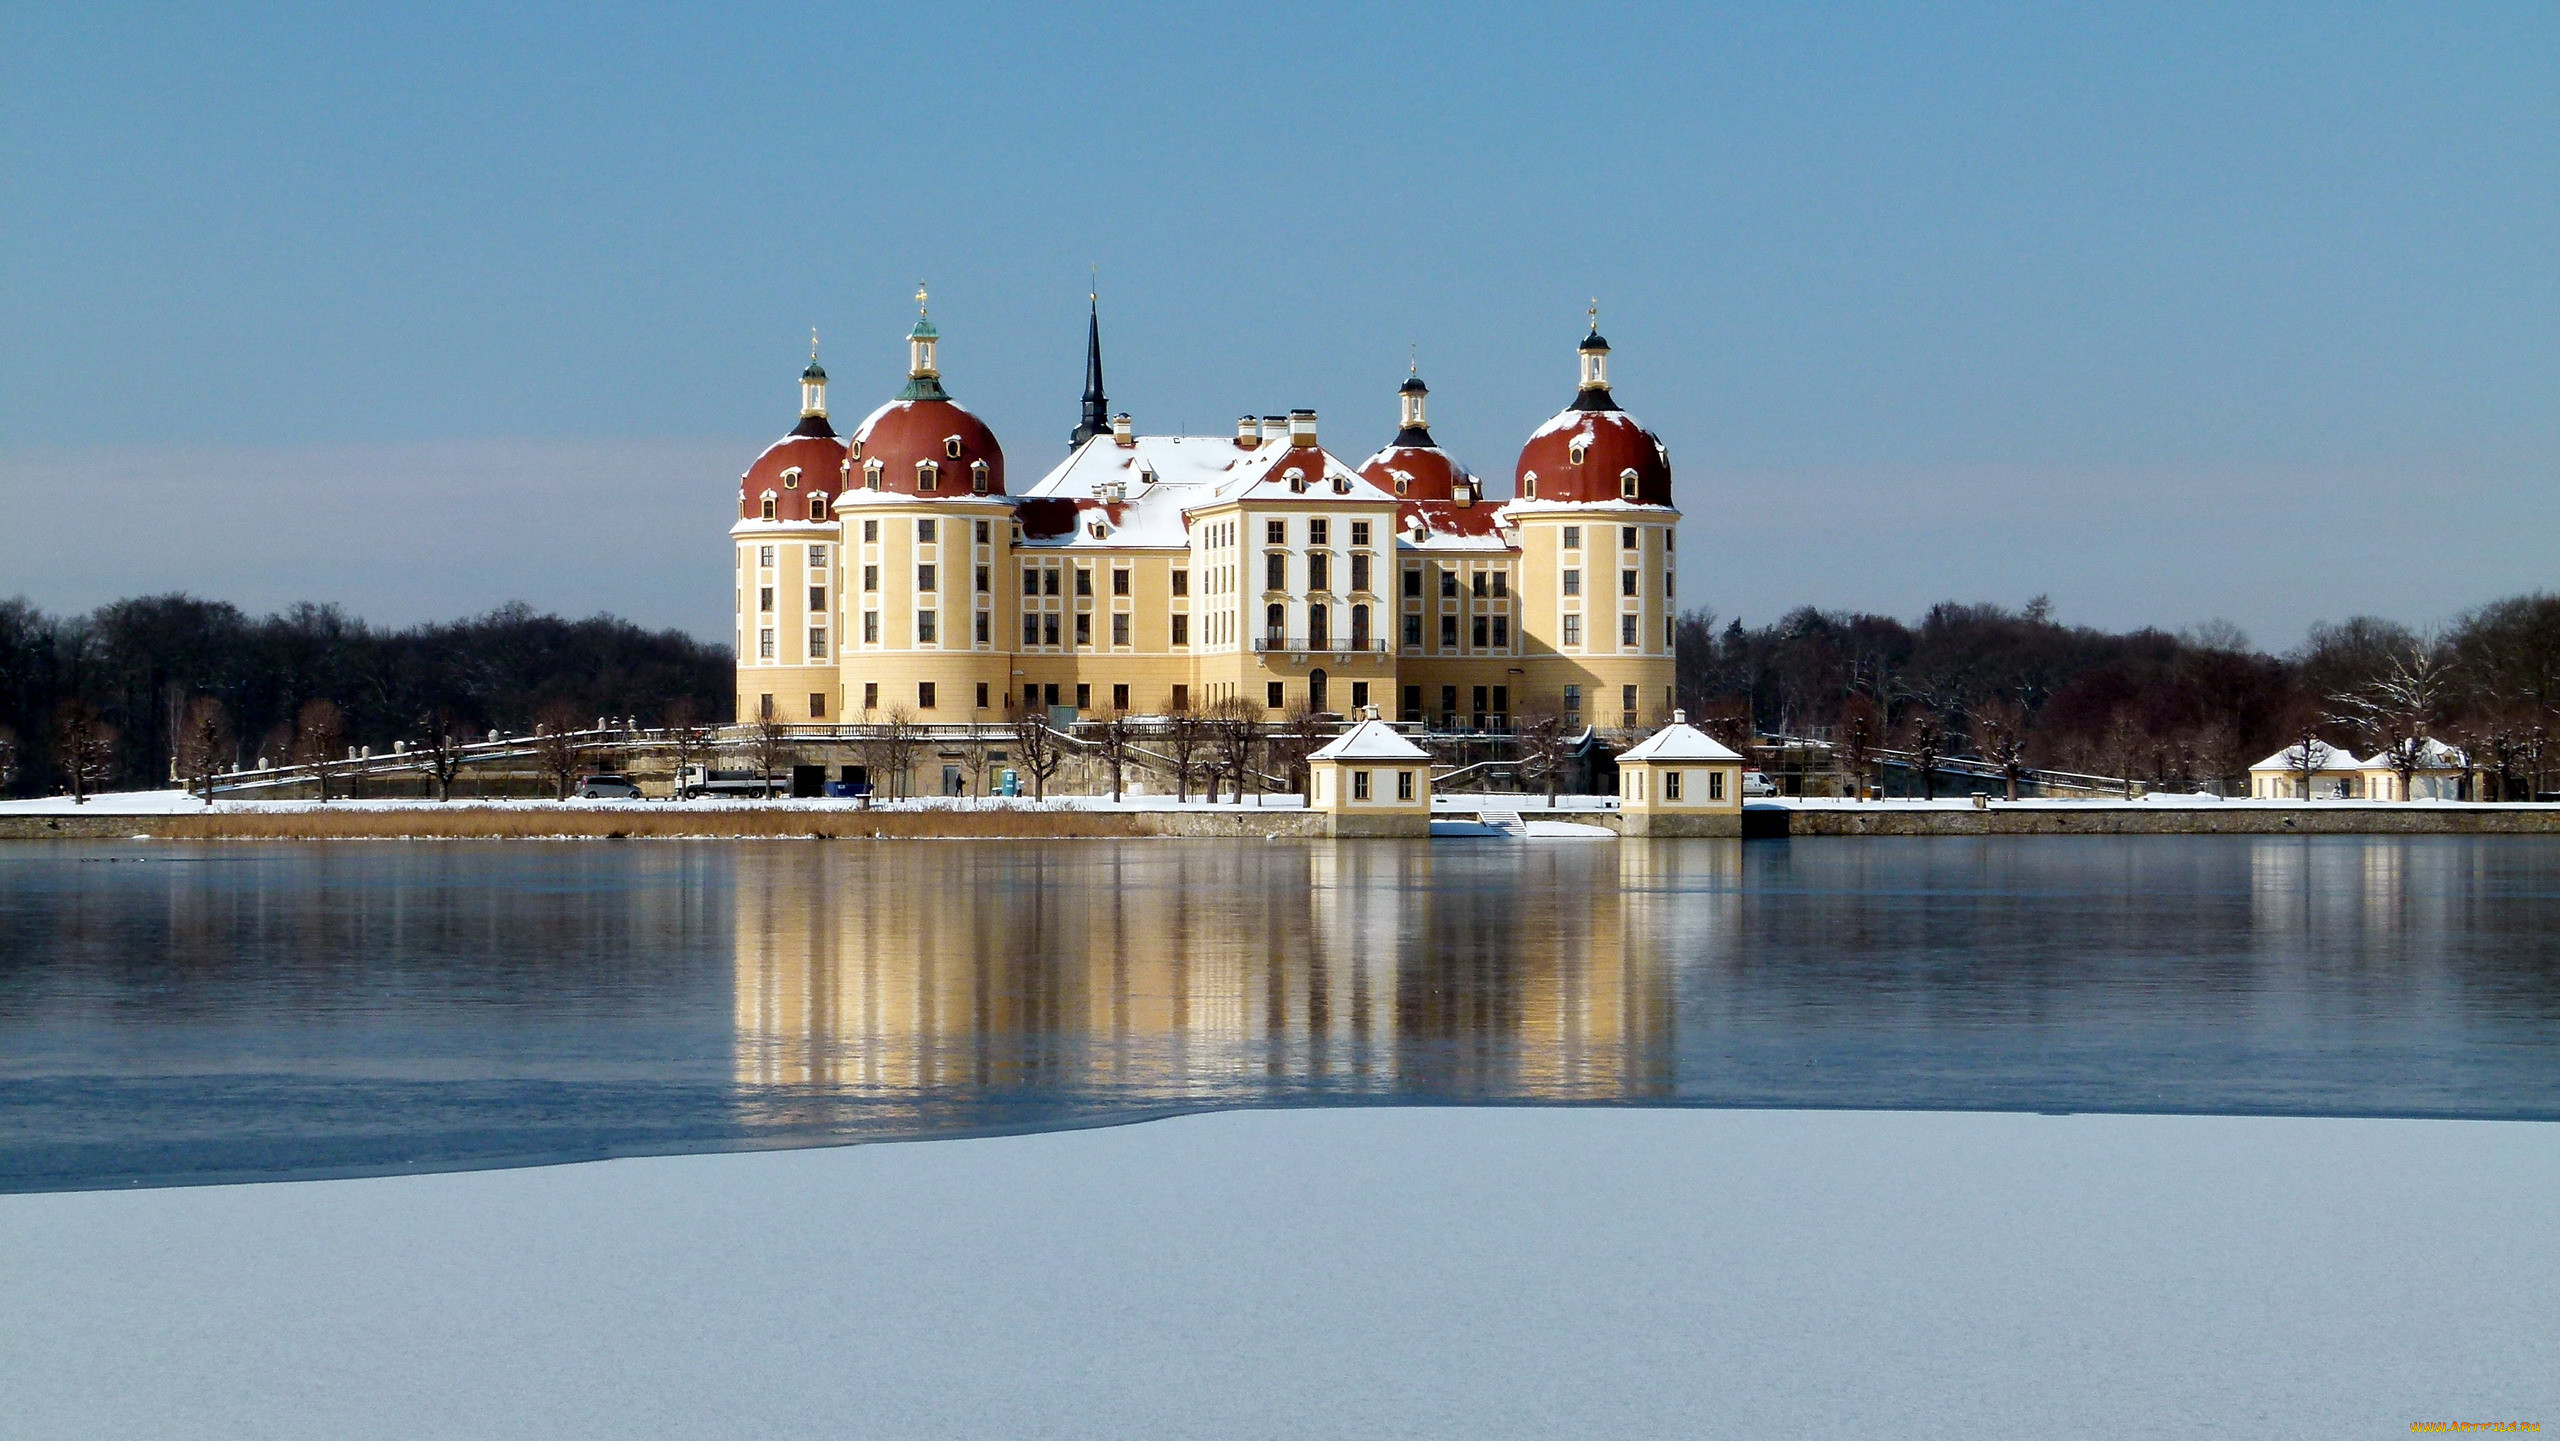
[
  {"x": 1119, "y": 580},
  {"x": 817, "y": 557},
  {"x": 1480, "y": 584},
  {"x": 1573, "y": 700},
  {"x": 1670, "y": 585},
  {"x": 764, "y": 706},
  {"x": 1031, "y": 630},
  {"x": 986, "y": 580},
  {"x": 1627, "y": 703},
  {"x": 1478, "y": 698},
  {"x": 1182, "y": 630},
  {"x": 1182, "y": 698},
  {"x": 1275, "y": 572},
  {"x": 1404, "y": 785},
  {"x": 924, "y": 577},
  {"x": 1359, "y": 696},
  {"x": 1448, "y": 585},
  {"x": 817, "y": 642},
  {"x": 1448, "y": 706},
  {"x": 1031, "y": 580},
  {"x": 764, "y": 556},
  {"x": 1573, "y": 537},
  {"x": 1448, "y": 632},
  {"x": 1119, "y": 697},
  {"x": 1573, "y": 582},
  {"x": 1272, "y": 693},
  {"x": 1413, "y": 583},
  {"x": 1049, "y": 629},
  {"x": 924, "y": 532},
  {"x": 871, "y": 627},
  {"x": 764, "y": 643},
  {"x": 1084, "y": 697},
  {"x": 1670, "y": 633},
  {"x": 982, "y": 685},
  {"x": 1671, "y": 785},
  {"x": 1319, "y": 571},
  {"x": 1626, "y": 537},
  {"x": 1360, "y": 570},
  {"x": 1120, "y": 628},
  {"x": 1413, "y": 702},
  {"x": 1049, "y": 581},
  {"x": 1626, "y": 582},
  {"x": 1670, "y": 541},
  {"x": 764, "y": 599},
  {"x": 1182, "y": 582},
  {"x": 1084, "y": 580},
  {"x": 1275, "y": 532},
  {"x": 1084, "y": 628},
  {"x": 1501, "y": 630},
  {"x": 817, "y": 705},
  {"x": 1501, "y": 584},
  {"x": 818, "y": 599},
  {"x": 985, "y": 628},
  {"x": 871, "y": 532},
  {"x": 1413, "y": 630},
  {"x": 871, "y": 579},
  {"x": 1715, "y": 785},
  {"x": 1359, "y": 532},
  {"x": 871, "y": 695},
  {"x": 1573, "y": 630},
  {"x": 924, "y": 695},
  {"x": 1359, "y": 785},
  {"x": 1481, "y": 633},
  {"x": 927, "y": 626},
  {"x": 1319, "y": 532},
  {"x": 1627, "y": 631}
]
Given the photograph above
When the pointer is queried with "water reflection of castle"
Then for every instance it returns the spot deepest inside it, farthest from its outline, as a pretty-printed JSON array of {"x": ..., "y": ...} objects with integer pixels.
[{"x": 1177, "y": 973}]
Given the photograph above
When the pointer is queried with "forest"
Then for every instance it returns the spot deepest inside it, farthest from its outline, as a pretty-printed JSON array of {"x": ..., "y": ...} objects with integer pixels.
[{"x": 119, "y": 691}]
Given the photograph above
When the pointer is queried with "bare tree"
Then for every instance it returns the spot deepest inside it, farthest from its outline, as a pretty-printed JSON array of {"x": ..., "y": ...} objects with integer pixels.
[
  {"x": 689, "y": 742},
  {"x": 768, "y": 750},
  {"x": 1545, "y": 742},
  {"x": 2220, "y": 749},
  {"x": 1924, "y": 736},
  {"x": 1115, "y": 737},
  {"x": 1296, "y": 738},
  {"x": 1854, "y": 739},
  {"x": 2400, "y": 705},
  {"x": 320, "y": 740},
  {"x": 84, "y": 746},
  {"x": 204, "y": 743},
  {"x": 889, "y": 747},
  {"x": 974, "y": 760},
  {"x": 440, "y": 752},
  {"x": 2000, "y": 733},
  {"x": 558, "y": 748},
  {"x": 1235, "y": 728},
  {"x": 1038, "y": 748},
  {"x": 2307, "y": 757},
  {"x": 1186, "y": 739},
  {"x": 11, "y": 759}
]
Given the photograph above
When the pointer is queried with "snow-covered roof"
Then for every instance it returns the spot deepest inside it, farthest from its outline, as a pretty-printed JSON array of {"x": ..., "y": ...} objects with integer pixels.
[
  {"x": 2433, "y": 755},
  {"x": 1140, "y": 494},
  {"x": 2290, "y": 758},
  {"x": 1370, "y": 740},
  {"x": 1679, "y": 741}
]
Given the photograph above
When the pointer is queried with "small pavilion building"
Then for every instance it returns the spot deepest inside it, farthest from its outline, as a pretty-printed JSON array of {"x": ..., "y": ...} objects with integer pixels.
[
  {"x": 2334, "y": 775},
  {"x": 1370, "y": 781},
  {"x": 1680, "y": 781},
  {"x": 2441, "y": 773}
]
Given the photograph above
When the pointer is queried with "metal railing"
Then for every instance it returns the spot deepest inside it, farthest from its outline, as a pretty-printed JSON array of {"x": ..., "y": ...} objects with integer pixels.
[{"x": 1300, "y": 645}]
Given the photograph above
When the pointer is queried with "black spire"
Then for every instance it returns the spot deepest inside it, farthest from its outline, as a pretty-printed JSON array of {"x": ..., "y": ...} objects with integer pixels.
[{"x": 1097, "y": 406}]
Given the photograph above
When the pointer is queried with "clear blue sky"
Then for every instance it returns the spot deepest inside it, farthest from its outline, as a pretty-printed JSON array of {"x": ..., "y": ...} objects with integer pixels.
[{"x": 2172, "y": 313}]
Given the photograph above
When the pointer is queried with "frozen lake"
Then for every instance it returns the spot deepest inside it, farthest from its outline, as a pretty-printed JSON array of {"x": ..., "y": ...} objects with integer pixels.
[{"x": 174, "y": 1013}]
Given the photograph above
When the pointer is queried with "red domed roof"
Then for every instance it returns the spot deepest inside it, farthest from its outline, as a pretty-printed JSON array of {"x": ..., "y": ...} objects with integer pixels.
[
  {"x": 905, "y": 435},
  {"x": 1584, "y": 455},
  {"x": 808, "y": 462},
  {"x": 1424, "y": 479}
]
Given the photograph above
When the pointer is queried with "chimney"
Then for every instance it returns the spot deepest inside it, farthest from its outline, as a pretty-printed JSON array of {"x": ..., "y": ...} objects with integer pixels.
[
  {"x": 1302, "y": 429},
  {"x": 1120, "y": 435},
  {"x": 1275, "y": 427},
  {"x": 1248, "y": 434}
]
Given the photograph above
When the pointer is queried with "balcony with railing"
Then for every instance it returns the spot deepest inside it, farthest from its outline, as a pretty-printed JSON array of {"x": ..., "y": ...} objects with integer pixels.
[{"x": 1270, "y": 642}]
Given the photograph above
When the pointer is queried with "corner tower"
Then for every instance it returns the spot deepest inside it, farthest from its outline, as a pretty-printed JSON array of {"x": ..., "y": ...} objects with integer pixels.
[{"x": 787, "y": 566}]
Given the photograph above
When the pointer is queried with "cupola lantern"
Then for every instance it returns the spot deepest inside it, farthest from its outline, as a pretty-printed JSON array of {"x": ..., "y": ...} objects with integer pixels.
[{"x": 813, "y": 384}]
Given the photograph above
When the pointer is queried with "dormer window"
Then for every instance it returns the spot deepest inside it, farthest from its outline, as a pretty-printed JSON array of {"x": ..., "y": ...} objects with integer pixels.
[
  {"x": 791, "y": 478},
  {"x": 928, "y": 476},
  {"x": 978, "y": 477},
  {"x": 1297, "y": 480},
  {"x": 1529, "y": 486},
  {"x": 1581, "y": 447},
  {"x": 768, "y": 505},
  {"x": 871, "y": 474},
  {"x": 1401, "y": 483},
  {"x": 1462, "y": 494},
  {"x": 1341, "y": 485},
  {"x": 818, "y": 506},
  {"x": 857, "y": 449},
  {"x": 951, "y": 446},
  {"x": 844, "y": 473},
  {"x": 1627, "y": 484}
]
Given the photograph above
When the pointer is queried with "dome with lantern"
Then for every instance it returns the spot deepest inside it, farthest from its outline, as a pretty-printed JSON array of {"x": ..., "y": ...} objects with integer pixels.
[
  {"x": 1592, "y": 451},
  {"x": 1435, "y": 492},
  {"x": 923, "y": 443},
  {"x": 798, "y": 476}
]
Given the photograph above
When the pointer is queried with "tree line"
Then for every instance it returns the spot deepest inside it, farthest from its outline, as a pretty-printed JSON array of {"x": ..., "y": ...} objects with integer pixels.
[
  {"x": 110, "y": 699},
  {"x": 2186, "y": 710}
]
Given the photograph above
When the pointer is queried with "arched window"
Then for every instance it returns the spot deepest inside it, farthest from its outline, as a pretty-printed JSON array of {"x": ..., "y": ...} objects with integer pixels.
[
  {"x": 1627, "y": 483},
  {"x": 818, "y": 506},
  {"x": 1529, "y": 486},
  {"x": 1275, "y": 624},
  {"x": 871, "y": 474},
  {"x": 1580, "y": 447},
  {"x": 1319, "y": 626},
  {"x": 978, "y": 477},
  {"x": 768, "y": 505},
  {"x": 1359, "y": 627},
  {"x": 1315, "y": 697},
  {"x": 928, "y": 476}
]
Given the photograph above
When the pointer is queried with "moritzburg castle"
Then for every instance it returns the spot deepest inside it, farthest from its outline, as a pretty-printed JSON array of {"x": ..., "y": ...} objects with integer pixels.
[{"x": 899, "y": 569}]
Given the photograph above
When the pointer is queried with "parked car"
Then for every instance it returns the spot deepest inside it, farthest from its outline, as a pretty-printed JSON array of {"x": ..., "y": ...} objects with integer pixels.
[
  {"x": 608, "y": 788},
  {"x": 1755, "y": 783}
]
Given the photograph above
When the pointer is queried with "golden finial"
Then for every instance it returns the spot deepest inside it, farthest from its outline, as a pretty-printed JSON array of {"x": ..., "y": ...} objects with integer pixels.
[
  {"x": 1093, "y": 290},
  {"x": 919, "y": 297},
  {"x": 1595, "y": 312},
  {"x": 813, "y": 342},
  {"x": 1414, "y": 365}
]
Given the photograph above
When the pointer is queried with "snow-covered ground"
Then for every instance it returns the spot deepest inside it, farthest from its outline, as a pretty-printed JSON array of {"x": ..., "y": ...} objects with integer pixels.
[{"x": 1411, "y": 1273}]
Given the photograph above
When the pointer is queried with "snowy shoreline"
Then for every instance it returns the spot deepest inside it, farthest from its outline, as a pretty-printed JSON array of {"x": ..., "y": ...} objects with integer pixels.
[{"x": 1422, "y": 1272}]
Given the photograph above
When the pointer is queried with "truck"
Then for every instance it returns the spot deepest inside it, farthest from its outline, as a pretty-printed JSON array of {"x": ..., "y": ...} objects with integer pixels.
[{"x": 696, "y": 781}]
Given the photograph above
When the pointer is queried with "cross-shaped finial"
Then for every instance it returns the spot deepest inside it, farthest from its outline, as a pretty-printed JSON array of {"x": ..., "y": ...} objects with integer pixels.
[
  {"x": 919, "y": 297},
  {"x": 1414, "y": 366},
  {"x": 1595, "y": 312},
  {"x": 813, "y": 342}
]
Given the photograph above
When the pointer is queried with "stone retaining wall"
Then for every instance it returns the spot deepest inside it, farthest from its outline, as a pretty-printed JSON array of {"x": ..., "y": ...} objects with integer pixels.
[
  {"x": 2070, "y": 820},
  {"x": 476, "y": 823}
]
